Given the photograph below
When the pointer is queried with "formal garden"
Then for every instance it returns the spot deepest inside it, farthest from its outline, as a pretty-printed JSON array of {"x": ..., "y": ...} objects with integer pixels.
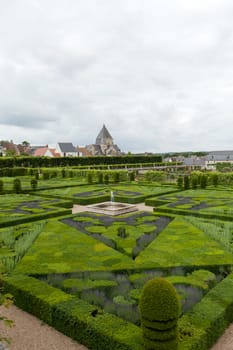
[{"x": 85, "y": 273}]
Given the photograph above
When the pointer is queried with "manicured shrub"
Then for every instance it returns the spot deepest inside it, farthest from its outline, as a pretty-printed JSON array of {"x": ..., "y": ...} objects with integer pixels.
[
  {"x": 37, "y": 175},
  {"x": 100, "y": 178},
  {"x": 186, "y": 182},
  {"x": 53, "y": 174},
  {"x": 106, "y": 179},
  {"x": 215, "y": 179},
  {"x": 131, "y": 176},
  {"x": 45, "y": 175},
  {"x": 180, "y": 182},
  {"x": 160, "y": 309},
  {"x": 121, "y": 232},
  {"x": 34, "y": 184},
  {"x": 17, "y": 186},
  {"x": 63, "y": 173},
  {"x": 116, "y": 177},
  {"x": 89, "y": 178},
  {"x": 194, "y": 182},
  {"x": 203, "y": 181},
  {"x": 1, "y": 186}
]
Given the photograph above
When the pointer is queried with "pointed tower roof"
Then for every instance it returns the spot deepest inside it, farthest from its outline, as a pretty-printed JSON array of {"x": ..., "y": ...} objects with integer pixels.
[{"x": 103, "y": 135}]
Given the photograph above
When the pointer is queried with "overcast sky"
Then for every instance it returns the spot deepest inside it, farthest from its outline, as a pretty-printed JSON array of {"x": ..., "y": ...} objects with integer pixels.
[{"x": 158, "y": 73}]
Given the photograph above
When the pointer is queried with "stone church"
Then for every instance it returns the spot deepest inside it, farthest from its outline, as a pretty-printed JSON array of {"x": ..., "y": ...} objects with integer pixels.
[{"x": 104, "y": 145}]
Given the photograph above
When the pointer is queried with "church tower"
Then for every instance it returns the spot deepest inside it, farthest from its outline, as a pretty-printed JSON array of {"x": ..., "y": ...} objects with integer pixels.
[{"x": 104, "y": 137}]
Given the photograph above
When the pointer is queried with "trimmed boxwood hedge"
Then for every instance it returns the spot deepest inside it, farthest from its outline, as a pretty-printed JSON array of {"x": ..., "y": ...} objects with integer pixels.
[
  {"x": 194, "y": 213},
  {"x": 72, "y": 316},
  {"x": 198, "y": 329},
  {"x": 74, "y": 161},
  {"x": 36, "y": 217}
]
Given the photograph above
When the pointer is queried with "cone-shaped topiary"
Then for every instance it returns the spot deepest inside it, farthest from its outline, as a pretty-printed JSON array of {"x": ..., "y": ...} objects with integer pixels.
[{"x": 160, "y": 308}]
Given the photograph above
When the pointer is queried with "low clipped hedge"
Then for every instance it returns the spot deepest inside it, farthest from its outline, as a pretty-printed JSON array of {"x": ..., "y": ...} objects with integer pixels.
[
  {"x": 194, "y": 213},
  {"x": 35, "y": 217},
  {"x": 91, "y": 200},
  {"x": 200, "y": 328},
  {"x": 72, "y": 316}
]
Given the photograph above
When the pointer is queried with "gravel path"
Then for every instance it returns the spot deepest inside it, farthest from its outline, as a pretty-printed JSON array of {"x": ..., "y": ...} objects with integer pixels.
[
  {"x": 29, "y": 333},
  {"x": 225, "y": 342}
]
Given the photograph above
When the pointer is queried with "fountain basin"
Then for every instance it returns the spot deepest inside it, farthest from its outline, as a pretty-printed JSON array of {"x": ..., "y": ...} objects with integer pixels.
[{"x": 111, "y": 208}]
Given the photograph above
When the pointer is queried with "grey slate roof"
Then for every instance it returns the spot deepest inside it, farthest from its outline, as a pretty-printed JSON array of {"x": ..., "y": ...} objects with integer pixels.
[
  {"x": 220, "y": 156},
  {"x": 67, "y": 147},
  {"x": 103, "y": 134}
]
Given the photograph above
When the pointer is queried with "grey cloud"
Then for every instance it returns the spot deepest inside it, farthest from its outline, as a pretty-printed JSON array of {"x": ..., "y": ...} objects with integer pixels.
[{"x": 160, "y": 77}]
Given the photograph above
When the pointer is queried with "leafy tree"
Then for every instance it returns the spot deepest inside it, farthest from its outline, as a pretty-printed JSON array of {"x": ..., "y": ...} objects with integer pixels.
[
  {"x": 11, "y": 153},
  {"x": 25, "y": 144}
]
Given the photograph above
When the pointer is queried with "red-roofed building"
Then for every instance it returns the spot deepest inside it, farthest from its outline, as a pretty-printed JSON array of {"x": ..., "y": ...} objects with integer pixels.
[{"x": 45, "y": 152}]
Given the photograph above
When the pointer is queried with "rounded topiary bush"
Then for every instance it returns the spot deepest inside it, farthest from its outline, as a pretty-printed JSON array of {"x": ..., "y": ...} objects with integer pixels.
[
  {"x": 17, "y": 186},
  {"x": 160, "y": 309},
  {"x": 34, "y": 184}
]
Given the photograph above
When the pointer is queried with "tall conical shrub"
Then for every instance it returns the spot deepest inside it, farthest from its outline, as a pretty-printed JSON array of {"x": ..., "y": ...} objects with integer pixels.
[{"x": 160, "y": 309}]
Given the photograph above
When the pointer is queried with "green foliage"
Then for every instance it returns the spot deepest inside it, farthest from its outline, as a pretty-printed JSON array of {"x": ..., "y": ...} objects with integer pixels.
[
  {"x": 76, "y": 161},
  {"x": 116, "y": 177},
  {"x": 121, "y": 232},
  {"x": 106, "y": 179},
  {"x": 74, "y": 317},
  {"x": 62, "y": 249},
  {"x": 17, "y": 186},
  {"x": 154, "y": 176},
  {"x": 215, "y": 179},
  {"x": 89, "y": 178},
  {"x": 18, "y": 240},
  {"x": 100, "y": 178},
  {"x": 183, "y": 244},
  {"x": 63, "y": 173},
  {"x": 131, "y": 176},
  {"x": 194, "y": 182},
  {"x": 200, "y": 328},
  {"x": 160, "y": 309},
  {"x": 220, "y": 231},
  {"x": 186, "y": 182},
  {"x": 1, "y": 186},
  {"x": 180, "y": 182},
  {"x": 159, "y": 301},
  {"x": 34, "y": 184},
  {"x": 45, "y": 175},
  {"x": 203, "y": 181}
]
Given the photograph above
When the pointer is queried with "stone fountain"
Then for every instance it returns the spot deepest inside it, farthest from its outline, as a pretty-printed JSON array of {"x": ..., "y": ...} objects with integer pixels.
[{"x": 111, "y": 207}]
